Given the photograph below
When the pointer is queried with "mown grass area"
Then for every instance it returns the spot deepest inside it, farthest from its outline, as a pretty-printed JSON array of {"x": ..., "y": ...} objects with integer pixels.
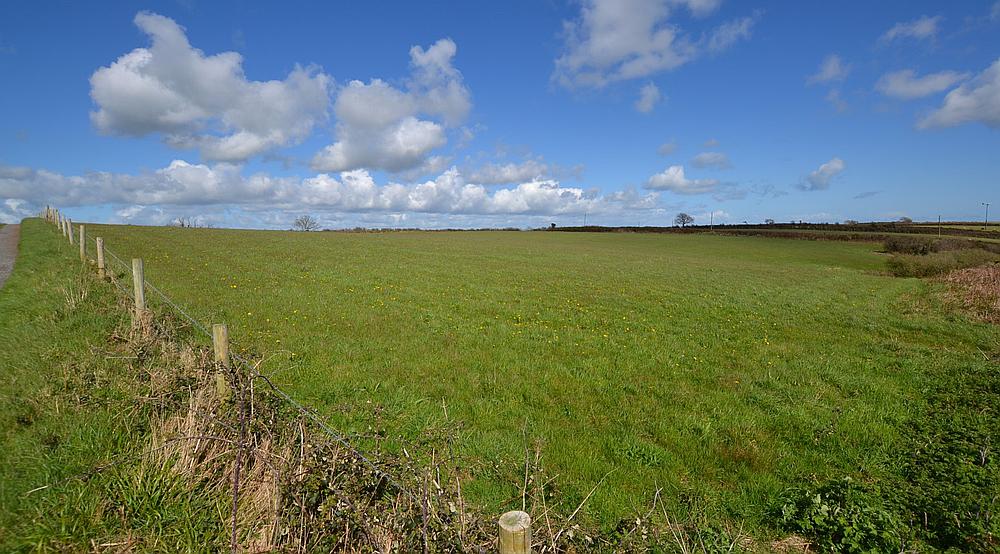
[
  {"x": 720, "y": 369},
  {"x": 72, "y": 402}
]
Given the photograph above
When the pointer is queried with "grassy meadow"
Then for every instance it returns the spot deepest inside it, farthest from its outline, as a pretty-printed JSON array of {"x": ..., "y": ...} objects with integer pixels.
[{"x": 721, "y": 370}]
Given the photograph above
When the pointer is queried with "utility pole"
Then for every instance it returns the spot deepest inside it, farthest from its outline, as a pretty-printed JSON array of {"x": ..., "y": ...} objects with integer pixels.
[
  {"x": 584, "y": 219},
  {"x": 939, "y": 225},
  {"x": 986, "y": 220},
  {"x": 711, "y": 223}
]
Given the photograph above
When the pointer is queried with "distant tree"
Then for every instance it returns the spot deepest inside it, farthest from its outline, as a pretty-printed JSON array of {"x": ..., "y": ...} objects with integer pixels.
[
  {"x": 191, "y": 222},
  {"x": 552, "y": 225},
  {"x": 683, "y": 219},
  {"x": 768, "y": 221},
  {"x": 306, "y": 223},
  {"x": 850, "y": 222},
  {"x": 905, "y": 219}
]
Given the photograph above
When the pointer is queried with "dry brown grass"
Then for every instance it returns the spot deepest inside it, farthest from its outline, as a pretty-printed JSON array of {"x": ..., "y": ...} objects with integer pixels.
[{"x": 977, "y": 289}]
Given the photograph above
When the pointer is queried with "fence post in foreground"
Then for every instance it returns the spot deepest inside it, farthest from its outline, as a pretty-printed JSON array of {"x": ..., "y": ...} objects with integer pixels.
[
  {"x": 83, "y": 243},
  {"x": 100, "y": 258},
  {"x": 139, "y": 281},
  {"x": 69, "y": 229},
  {"x": 220, "y": 340},
  {"x": 515, "y": 533},
  {"x": 62, "y": 225}
]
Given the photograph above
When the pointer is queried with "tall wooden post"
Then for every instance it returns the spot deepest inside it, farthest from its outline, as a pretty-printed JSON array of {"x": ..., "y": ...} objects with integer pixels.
[
  {"x": 69, "y": 229},
  {"x": 515, "y": 533},
  {"x": 101, "y": 272},
  {"x": 83, "y": 243},
  {"x": 139, "y": 282},
  {"x": 220, "y": 340}
]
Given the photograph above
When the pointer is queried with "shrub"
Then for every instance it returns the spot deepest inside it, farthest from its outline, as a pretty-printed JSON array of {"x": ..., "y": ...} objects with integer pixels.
[
  {"x": 939, "y": 263},
  {"x": 842, "y": 516},
  {"x": 908, "y": 245}
]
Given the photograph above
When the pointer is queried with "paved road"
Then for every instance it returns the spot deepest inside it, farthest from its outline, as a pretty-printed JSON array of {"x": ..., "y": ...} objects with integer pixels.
[{"x": 8, "y": 250}]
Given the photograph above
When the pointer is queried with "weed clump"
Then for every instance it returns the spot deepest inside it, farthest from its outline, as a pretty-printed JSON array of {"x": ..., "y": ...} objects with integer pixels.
[
  {"x": 939, "y": 263},
  {"x": 978, "y": 290},
  {"x": 841, "y": 516}
]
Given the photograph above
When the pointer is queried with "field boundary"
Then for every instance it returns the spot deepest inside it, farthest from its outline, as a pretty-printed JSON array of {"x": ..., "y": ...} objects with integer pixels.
[{"x": 513, "y": 529}]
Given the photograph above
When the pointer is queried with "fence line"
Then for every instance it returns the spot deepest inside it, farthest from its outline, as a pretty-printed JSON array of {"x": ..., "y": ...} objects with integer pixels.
[{"x": 514, "y": 527}]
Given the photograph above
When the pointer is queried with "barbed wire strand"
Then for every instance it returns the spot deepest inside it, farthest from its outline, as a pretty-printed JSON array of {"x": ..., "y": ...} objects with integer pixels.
[{"x": 256, "y": 374}]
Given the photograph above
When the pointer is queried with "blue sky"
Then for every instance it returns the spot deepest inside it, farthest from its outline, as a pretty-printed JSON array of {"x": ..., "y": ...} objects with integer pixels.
[{"x": 474, "y": 114}]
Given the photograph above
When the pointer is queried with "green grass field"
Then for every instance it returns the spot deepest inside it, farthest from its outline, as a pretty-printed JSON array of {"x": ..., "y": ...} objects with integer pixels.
[
  {"x": 70, "y": 403},
  {"x": 722, "y": 369}
]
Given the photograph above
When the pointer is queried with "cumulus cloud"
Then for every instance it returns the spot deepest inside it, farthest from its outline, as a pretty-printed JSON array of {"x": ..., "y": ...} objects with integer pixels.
[
  {"x": 821, "y": 178},
  {"x": 906, "y": 85},
  {"x": 616, "y": 40},
  {"x": 674, "y": 180},
  {"x": 380, "y": 126},
  {"x": 192, "y": 186},
  {"x": 649, "y": 97},
  {"x": 975, "y": 101},
  {"x": 502, "y": 174},
  {"x": 921, "y": 28},
  {"x": 717, "y": 160},
  {"x": 203, "y": 101},
  {"x": 833, "y": 68}
]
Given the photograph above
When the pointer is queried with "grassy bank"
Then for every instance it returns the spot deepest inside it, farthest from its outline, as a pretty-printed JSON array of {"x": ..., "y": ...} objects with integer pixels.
[
  {"x": 720, "y": 369},
  {"x": 72, "y": 402}
]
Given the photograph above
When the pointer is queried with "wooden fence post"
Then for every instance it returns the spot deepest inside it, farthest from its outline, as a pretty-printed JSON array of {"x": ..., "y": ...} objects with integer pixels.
[
  {"x": 515, "y": 533},
  {"x": 69, "y": 229},
  {"x": 100, "y": 258},
  {"x": 83, "y": 243},
  {"x": 139, "y": 282},
  {"x": 220, "y": 340}
]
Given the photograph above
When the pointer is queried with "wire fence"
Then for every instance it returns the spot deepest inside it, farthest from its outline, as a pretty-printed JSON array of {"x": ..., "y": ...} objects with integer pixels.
[{"x": 251, "y": 371}]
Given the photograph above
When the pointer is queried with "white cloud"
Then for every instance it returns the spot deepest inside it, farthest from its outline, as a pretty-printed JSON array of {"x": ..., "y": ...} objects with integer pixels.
[
  {"x": 730, "y": 33},
  {"x": 975, "y": 101},
  {"x": 922, "y": 28},
  {"x": 836, "y": 100},
  {"x": 821, "y": 178},
  {"x": 13, "y": 210},
  {"x": 616, "y": 40},
  {"x": 501, "y": 174},
  {"x": 667, "y": 148},
  {"x": 906, "y": 85},
  {"x": 717, "y": 160},
  {"x": 186, "y": 188},
  {"x": 673, "y": 179},
  {"x": 380, "y": 127},
  {"x": 833, "y": 68},
  {"x": 649, "y": 97},
  {"x": 204, "y": 102}
]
